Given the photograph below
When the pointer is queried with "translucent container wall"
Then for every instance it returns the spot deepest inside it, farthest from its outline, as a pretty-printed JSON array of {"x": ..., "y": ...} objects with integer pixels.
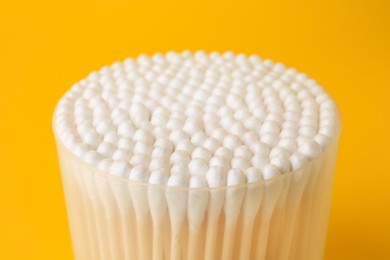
[{"x": 113, "y": 218}]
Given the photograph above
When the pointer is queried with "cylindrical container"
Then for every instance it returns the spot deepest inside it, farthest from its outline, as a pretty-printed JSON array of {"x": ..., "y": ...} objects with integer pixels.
[
  {"x": 115, "y": 218},
  {"x": 283, "y": 218}
]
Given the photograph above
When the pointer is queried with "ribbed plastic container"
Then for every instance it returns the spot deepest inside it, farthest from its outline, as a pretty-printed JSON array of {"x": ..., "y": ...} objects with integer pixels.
[{"x": 113, "y": 218}]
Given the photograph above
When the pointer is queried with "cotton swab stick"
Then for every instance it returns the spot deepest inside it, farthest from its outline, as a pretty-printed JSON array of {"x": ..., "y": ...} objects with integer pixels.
[
  {"x": 298, "y": 184},
  {"x": 251, "y": 205},
  {"x": 197, "y": 201},
  {"x": 233, "y": 201},
  {"x": 326, "y": 185},
  {"x": 177, "y": 206},
  {"x": 107, "y": 196},
  {"x": 316, "y": 212},
  {"x": 158, "y": 210},
  {"x": 139, "y": 198},
  {"x": 216, "y": 178},
  {"x": 280, "y": 159},
  {"x": 84, "y": 229},
  {"x": 123, "y": 199},
  {"x": 311, "y": 149},
  {"x": 272, "y": 190},
  {"x": 111, "y": 214},
  {"x": 97, "y": 207}
]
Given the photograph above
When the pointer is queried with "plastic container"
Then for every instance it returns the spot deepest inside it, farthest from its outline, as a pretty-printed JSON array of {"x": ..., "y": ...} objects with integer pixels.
[{"x": 113, "y": 218}]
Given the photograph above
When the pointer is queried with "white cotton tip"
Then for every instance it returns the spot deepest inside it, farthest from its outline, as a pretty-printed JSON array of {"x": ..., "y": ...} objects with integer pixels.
[
  {"x": 259, "y": 160},
  {"x": 70, "y": 141},
  {"x": 270, "y": 138},
  {"x": 127, "y": 129},
  {"x": 231, "y": 142},
  {"x": 226, "y": 122},
  {"x": 281, "y": 162},
  {"x": 159, "y": 177},
  {"x": 253, "y": 123},
  {"x": 106, "y": 149},
  {"x": 126, "y": 143},
  {"x": 216, "y": 177},
  {"x": 253, "y": 175},
  {"x": 201, "y": 153},
  {"x": 220, "y": 161},
  {"x": 237, "y": 129},
  {"x": 255, "y": 60},
  {"x": 193, "y": 110},
  {"x": 164, "y": 143},
  {"x": 279, "y": 151},
  {"x": 243, "y": 151},
  {"x": 297, "y": 160},
  {"x": 179, "y": 156},
  {"x": 186, "y": 146},
  {"x": 104, "y": 127},
  {"x": 328, "y": 111},
  {"x": 219, "y": 134},
  {"x": 327, "y": 121},
  {"x": 322, "y": 140},
  {"x": 139, "y": 173},
  {"x": 198, "y": 138},
  {"x": 250, "y": 138},
  {"x": 328, "y": 131},
  {"x": 159, "y": 119},
  {"x": 143, "y": 148},
  {"x": 197, "y": 167},
  {"x": 112, "y": 137},
  {"x": 160, "y": 133},
  {"x": 142, "y": 135},
  {"x": 291, "y": 121},
  {"x": 178, "y": 181},
  {"x": 211, "y": 144},
  {"x": 229, "y": 55},
  {"x": 235, "y": 177},
  {"x": 310, "y": 149},
  {"x": 161, "y": 153},
  {"x": 92, "y": 158},
  {"x": 198, "y": 182},
  {"x": 288, "y": 133},
  {"x": 179, "y": 168},
  {"x": 158, "y": 164},
  {"x": 309, "y": 118},
  {"x": 224, "y": 152},
  {"x": 289, "y": 144},
  {"x": 140, "y": 159},
  {"x": 92, "y": 138},
  {"x": 240, "y": 163},
  {"x": 81, "y": 149},
  {"x": 307, "y": 131},
  {"x": 178, "y": 135},
  {"x": 270, "y": 171},
  {"x": 120, "y": 169},
  {"x": 269, "y": 127},
  {"x": 105, "y": 164},
  {"x": 260, "y": 148},
  {"x": 122, "y": 154},
  {"x": 243, "y": 113}
]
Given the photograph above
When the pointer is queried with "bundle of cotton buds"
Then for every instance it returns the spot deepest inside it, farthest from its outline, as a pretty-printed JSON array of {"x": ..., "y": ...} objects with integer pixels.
[
  {"x": 193, "y": 114},
  {"x": 210, "y": 134}
]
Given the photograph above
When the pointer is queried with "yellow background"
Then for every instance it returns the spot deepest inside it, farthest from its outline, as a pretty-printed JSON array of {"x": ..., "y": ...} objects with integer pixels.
[{"x": 45, "y": 46}]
